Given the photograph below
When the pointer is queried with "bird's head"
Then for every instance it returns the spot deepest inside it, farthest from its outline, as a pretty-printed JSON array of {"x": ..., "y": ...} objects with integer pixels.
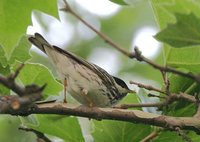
[{"x": 122, "y": 87}]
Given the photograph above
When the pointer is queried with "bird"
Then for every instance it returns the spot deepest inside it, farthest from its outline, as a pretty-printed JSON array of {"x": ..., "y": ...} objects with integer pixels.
[{"x": 86, "y": 82}]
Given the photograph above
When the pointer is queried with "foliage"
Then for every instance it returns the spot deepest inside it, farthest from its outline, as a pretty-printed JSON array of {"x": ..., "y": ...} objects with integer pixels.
[
  {"x": 179, "y": 31},
  {"x": 16, "y": 16}
]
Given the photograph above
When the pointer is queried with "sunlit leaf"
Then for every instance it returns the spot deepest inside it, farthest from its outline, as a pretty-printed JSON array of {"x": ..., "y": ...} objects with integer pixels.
[
  {"x": 164, "y": 13},
  {"x": 21, "y": 51},
  {"x": 167, "y": 136},
  {"x": 3, "y": 58},
  {"x": 16, "y": 16},
  {"x": 40, "y": 75},
  {"x": 10, "y": 133},
  {"x": 63, "y": 127},
  {"x": 188, "y": 58},
  {"x": 113, "y": 131},
  {"x": 185, "y": 32},
  {"x": 5, "y": 71}
]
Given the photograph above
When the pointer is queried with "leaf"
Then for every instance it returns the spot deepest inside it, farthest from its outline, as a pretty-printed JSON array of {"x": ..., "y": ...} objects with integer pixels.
[
  {"x": 64, "y": 127},
  {"x": 3, "y": 59},
  {"x": 4, "y": 71},
  {"x": 167, "y": 136},
  {"x": 130, "y": 98},
  {"x": 114, "y": 131},
  {"x": 10, "y": 132},
  {"x": 164, "y": 10},
  {"x": 16, "y": 16},
  {"x": 143, "y": 96},
  {"x": 194, "y": 136},
  {"x": 40, "y": 75},
  {"x": 185, "y": 32},
  {"x": 120, "y": 2},
  {"x": 164, "y": 13},
  {"x": 182, "y": 84},
  {"x": 21, "y": 51},
  {"x": 188, "y": 58}
]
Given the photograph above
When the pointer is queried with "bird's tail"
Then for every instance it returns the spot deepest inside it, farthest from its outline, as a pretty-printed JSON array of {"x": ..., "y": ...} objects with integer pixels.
[{"x": 39, "y": 41}]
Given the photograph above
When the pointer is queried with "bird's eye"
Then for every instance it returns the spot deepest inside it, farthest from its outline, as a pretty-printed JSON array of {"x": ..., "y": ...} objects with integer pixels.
[{"x": 120, "y": 82}]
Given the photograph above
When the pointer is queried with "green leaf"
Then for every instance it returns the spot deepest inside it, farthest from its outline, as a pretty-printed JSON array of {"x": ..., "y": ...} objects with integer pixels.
[
  {"x": 182, "y": 84},
  {"x": 194, "y": 136},
  {"x": 10, "y": 132},
  {"x": 188, "y": 58},
  {"x": 164, "y": 10},
  {"x": 40, "y": 75},
  {"x": 130, "y": 98},
  {"x": 120, "y": 2},
  {"x": 164, "y": 13},
  {"x": 167, "y": 136},
  {"x": 21, "y": 51},
  {"x": 4, "y": 71},
  {"x": 16, "y": 16},
  {"x": 185, "y": 32},
  {"x": 64, "y": 127},
  {"x": 114, "y": 131},
  {"x": 3, "y": 59}
]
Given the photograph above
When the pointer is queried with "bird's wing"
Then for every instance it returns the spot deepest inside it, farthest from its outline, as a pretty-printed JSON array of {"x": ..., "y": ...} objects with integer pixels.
[{"x": 40, "y": 42}]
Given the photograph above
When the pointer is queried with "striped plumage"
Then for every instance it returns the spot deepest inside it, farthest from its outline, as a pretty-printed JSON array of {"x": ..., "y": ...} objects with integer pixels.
[{"x": 86, "y": 82}]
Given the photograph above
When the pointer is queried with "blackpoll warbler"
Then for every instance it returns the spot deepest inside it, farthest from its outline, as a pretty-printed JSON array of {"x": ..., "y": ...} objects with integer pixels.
[{"x": 86, "y": 82}]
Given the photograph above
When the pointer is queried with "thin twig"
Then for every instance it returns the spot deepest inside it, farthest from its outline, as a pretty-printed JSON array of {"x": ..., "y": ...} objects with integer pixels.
[
  {"x": 168, "y": 100},
  {"x": 21, "y": 91},
  {"x": 183, "y": 134},
  {"x": 150, "y": 136},
  {"x": 166, "y": 82},
  {"x": 103, "y": 36},
  {"x": 16, "y": 73},
  {"x": 10, "y": 83},
  {"x": 126, "y": 106},
  {"x": 137, "y": 54},
  {"x": 148, "y": 87},
  {"x": 185, "y": 96},
  {"x": 197, "y": 115},
  {"x": 39, "y": 135},
  {"x": 25, "y": 97},
  {"x": 152, "y": 95},
  {"x": 140, "y": 57}
]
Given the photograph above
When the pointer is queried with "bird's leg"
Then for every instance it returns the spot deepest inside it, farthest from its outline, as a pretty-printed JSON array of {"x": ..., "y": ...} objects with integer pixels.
[
  {"x": 65, "y": 90},
  {"x": 84, "y": 93}
]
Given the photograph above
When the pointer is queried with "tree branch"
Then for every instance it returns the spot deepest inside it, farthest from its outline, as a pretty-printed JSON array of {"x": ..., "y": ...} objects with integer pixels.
[
  {"x": 136, "y": 55},
  {"x": 148, "y": 87},
  {"x": 12, "y": 104},
  {"x": 9, "y": 82},
  {"x": 168, "y": 100},
  {"x": 134, "y": 116},
  {"x": 68, "y": 9},
  {"x": 24, "y": 105},
  {"x": 26, "y": 95},
  {"x": 126, "y": 106}
]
